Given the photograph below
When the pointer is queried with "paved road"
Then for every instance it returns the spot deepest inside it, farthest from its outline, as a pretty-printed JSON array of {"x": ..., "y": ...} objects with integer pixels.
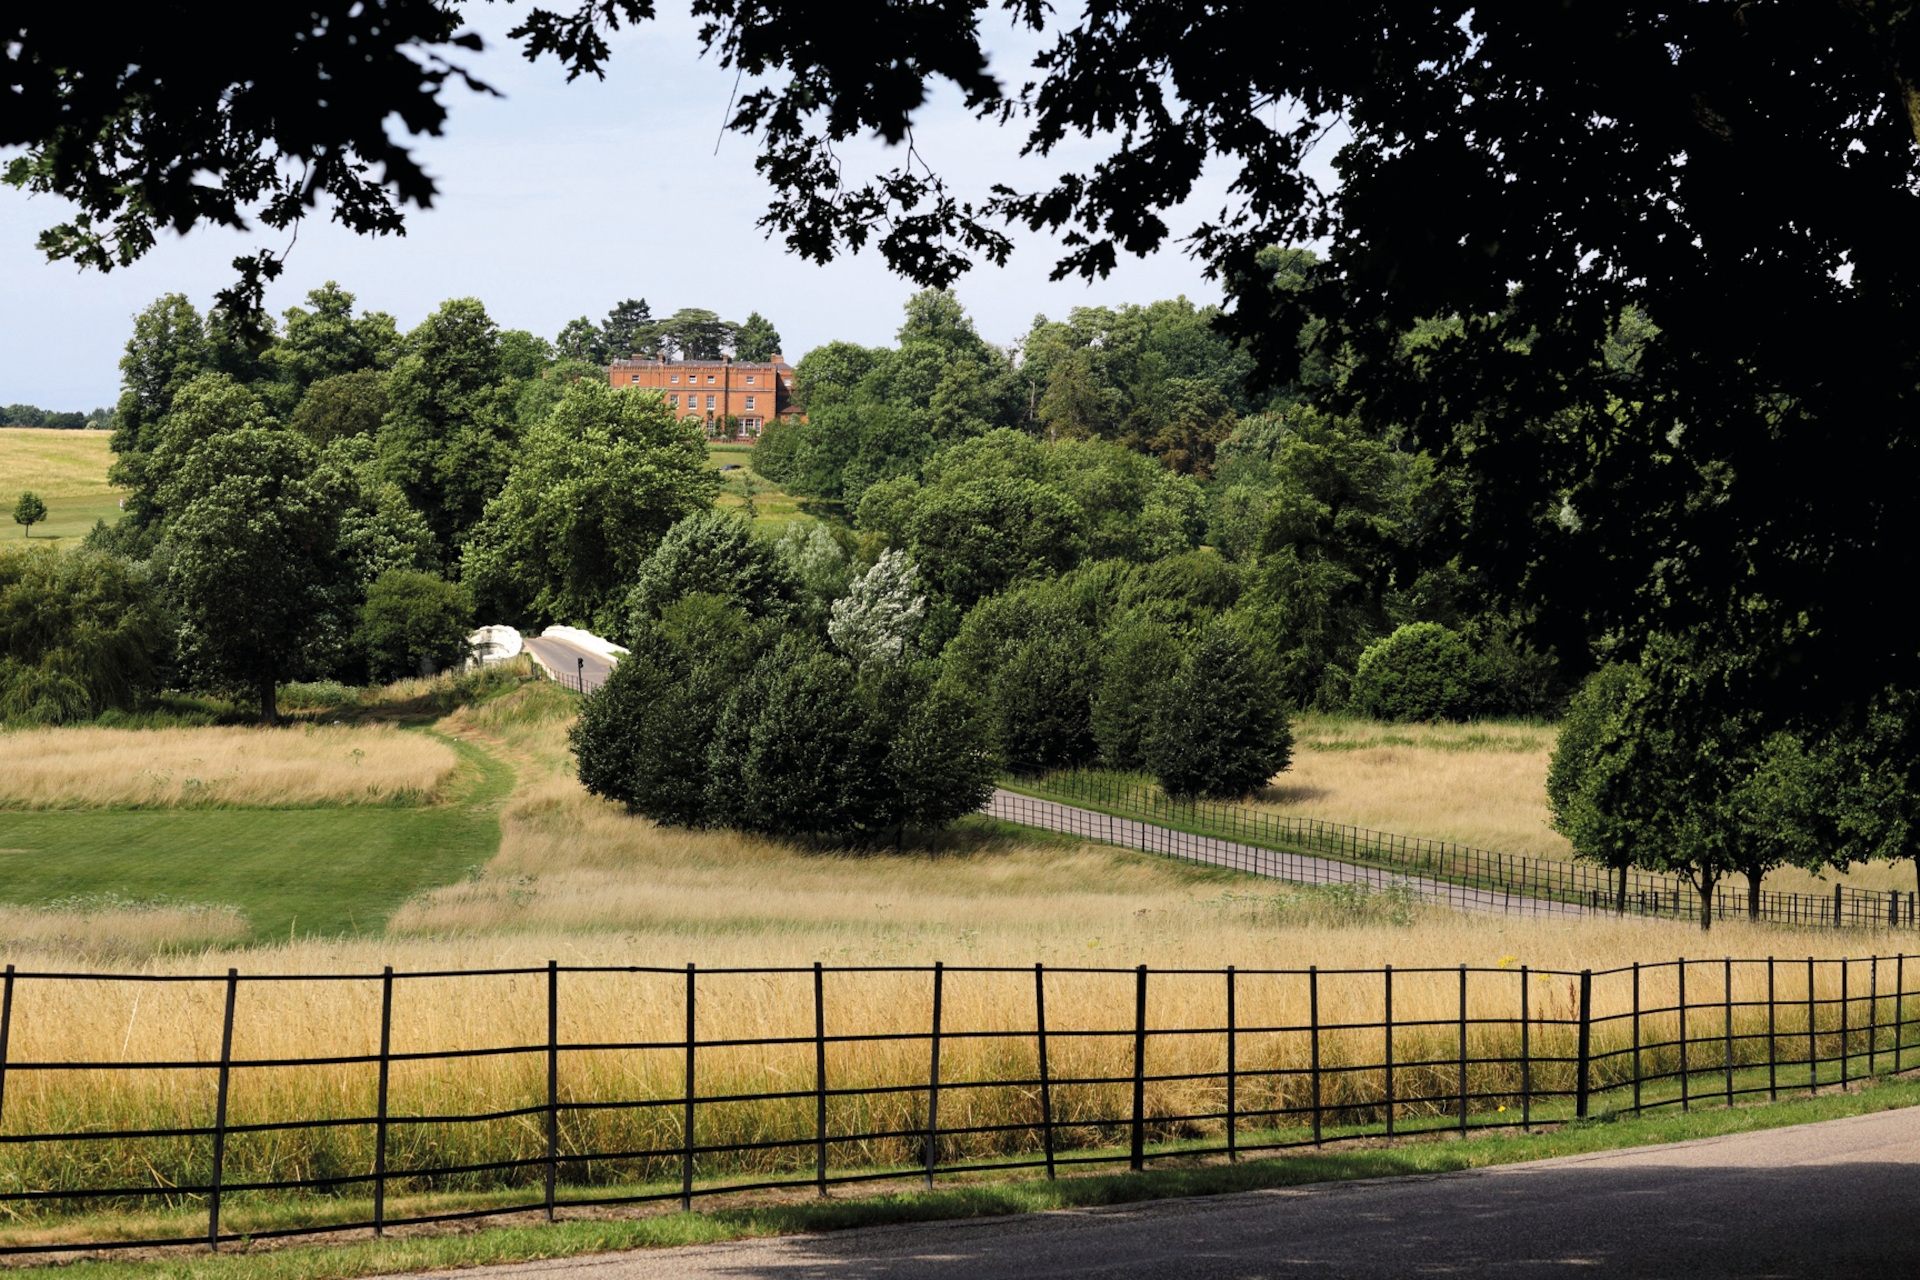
[
  {"x": 566, "y": 661},
  {"x": 1833, "y": 1199},
  {"x": 1299, "y": 868}
]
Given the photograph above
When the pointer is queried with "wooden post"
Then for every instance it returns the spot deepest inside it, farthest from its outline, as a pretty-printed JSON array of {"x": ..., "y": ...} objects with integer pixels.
[
  {"x": 1313, "y": 1043},
  {"x": 220, "y": 1114},
  {"x": 933, "y": 1076},
  {"x": 1138, "y": 1153},
  {"x": 686, "y": 1105},
  {"x": 819, "y": 1079},
  {"x": 1046, "y": 1085},
  {"x": 1233, "y": 1097},
  {"x": 380, "y": 1123},
  {"x": 1899, "y": 1012},
  {"x": 1873, "y": 1013},
  {"x": 1845, "y": 964}
]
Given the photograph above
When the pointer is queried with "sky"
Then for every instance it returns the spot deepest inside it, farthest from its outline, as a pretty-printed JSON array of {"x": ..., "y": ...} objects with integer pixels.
[{"x": 559, "y": 200}]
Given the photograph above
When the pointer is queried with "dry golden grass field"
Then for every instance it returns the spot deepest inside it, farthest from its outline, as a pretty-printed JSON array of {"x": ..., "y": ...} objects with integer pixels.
[
  {"x": 1483, "y": 785},
  {"x": 216, "y": 767},
  {"x": 66, "y": 468}
]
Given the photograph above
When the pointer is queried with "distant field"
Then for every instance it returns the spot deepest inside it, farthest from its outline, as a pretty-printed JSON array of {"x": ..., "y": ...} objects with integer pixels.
[
  {"x": 66, "y": 468},
  {"x": 1481, "y": 784},
  {"x": 772, "y": 505}
]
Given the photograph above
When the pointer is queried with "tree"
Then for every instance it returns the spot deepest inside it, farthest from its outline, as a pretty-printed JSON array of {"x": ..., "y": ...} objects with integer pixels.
[
  {"x": 330, "y": 340},
  {"x": 627, "y": 331},
  {"x": 582, "y": 340},
  {"x": 80, "y": 632},
  {"x": 167, "y": 350},
  {"x": 880, "y": 617},
  {"x": 592, "y": 490},
  {"x": 524, "y": 355},
  {"x": 448, "y": 437},
  {"x": 1423, "y": 671},
  {"x": 756, "y": 340},
  {"x": 713, "y": 553},
  {"x": 1575, "y": 789},
  {"x": 29, "y": 511},
  {"x": 1220, "y": 731},
  {"x": 414, "y": 623},
  {"x": 343, "y": 406},
  {"x": 694, "y": 334},
  {"x": 1141, "y": 660},
  {"x": 252, "y": 548}
]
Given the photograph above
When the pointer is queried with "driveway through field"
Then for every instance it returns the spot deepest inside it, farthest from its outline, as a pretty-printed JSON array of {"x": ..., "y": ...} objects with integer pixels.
[
  {"x": 1831, "y": 1199},
  {"x": 1300, "y": 868}
]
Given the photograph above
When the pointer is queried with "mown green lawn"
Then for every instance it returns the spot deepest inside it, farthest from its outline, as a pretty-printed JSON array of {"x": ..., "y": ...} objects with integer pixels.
[{"x": 304, "y": 872}]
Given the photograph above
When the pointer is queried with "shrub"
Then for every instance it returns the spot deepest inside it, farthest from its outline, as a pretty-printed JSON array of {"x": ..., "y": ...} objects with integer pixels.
[
  {"x": 1423, "y": 671},
  {"x": 412, "y": 620},
  {"x": 1219, "y": 730}
]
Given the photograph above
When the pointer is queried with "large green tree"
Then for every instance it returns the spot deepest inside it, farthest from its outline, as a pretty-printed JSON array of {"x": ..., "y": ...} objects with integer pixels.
[{"x": 592, "y": 490}]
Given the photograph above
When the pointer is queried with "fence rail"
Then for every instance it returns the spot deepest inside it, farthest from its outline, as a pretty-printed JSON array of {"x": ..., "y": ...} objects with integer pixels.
[
  {"x": 1506, "y": 875},
  {"x": 830, "y": 1075}
]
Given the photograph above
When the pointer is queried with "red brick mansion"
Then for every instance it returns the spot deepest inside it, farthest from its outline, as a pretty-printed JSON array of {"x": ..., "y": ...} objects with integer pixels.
[{"x": 731, "y": 400}]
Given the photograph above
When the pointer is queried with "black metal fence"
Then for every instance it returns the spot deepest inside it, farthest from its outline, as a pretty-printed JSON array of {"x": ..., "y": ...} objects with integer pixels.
[
  {"x": 828, "y": 1075},
  {"x": 1512, "y": 876}
]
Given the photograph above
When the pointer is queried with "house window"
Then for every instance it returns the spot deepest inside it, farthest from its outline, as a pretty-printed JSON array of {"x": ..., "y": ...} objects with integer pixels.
[
  {"x": 673, "y": 377},
  {"x": 709, "y": 404},
  {"x": 749, "y": 402},
  {"x": 709, "y": 379},
  {"x": 673, "y": 402},
  {"x": 750, "y": 425},
  {"x": 636, "y": 377},
  {"x": 749, "y": 379}
]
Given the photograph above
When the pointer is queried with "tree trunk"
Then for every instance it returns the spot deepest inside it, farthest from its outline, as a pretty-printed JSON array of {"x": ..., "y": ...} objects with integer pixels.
[
  {"x": 1705, "y": 884},
  {"x": 269, "y": 711},
  {"x": 1620, "y": 896},
  {"x": 1754, "y": 876}
]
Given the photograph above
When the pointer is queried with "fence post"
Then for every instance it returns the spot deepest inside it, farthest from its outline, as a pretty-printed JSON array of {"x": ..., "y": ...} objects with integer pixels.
[
  {"x": 220, "y": 1114},
  {"x": 686, "y": 1105},
  {"x": 1726, "y": 996},
  {"x": 1813, "y": 1039},
  {"x": 1873, "y": 1013},
  {"x": 1836, "y": 924},
  {"x": 819, "y": 1078},
  {"x": 1463, "y": 1051},
  {"x": 1899, "y": 1013},
  {"x": 1313, "y": 1043},
  {"x": 6, "y": 1035},
  {"x": 933, "y": 1076},
  {"x": 1137, "y": 1156},
  {"x": 553, "y": 1081},
  {"x": 1844, "y": 1064},
  {"x": 1686, "y": 1096},
  {"x": 380, "y": 1123},
  {"x": 1388, "y": 1003},
  {"x": 1233, "y": 1098},
  {"x": 1773, "y": 1054},
  {"x": 1046, "y": 1084},
  {"x": 1583, "y": 1083},
  {"x": 1636, "y": 1038},
  {"x": 1526, "y": 1055}
]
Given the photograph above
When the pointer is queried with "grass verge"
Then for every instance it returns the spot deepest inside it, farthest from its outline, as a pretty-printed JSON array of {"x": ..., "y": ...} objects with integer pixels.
[{"x": 987, "y": 1196}]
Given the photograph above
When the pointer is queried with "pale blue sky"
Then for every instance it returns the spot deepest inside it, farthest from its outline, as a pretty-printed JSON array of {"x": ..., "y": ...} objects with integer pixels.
[{"x": 560, "y": 200}]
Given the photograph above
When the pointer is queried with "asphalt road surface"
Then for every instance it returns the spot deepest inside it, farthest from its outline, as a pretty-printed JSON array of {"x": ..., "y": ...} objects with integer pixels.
[
  {"x": 1832, "y": 1199},
  {"x": 568, "y": 663},
  {"x": 1300, "y": 868}
]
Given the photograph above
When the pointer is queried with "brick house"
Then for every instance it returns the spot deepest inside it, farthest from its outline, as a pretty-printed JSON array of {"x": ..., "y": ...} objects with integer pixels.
[{"x": 732, "y": 400}]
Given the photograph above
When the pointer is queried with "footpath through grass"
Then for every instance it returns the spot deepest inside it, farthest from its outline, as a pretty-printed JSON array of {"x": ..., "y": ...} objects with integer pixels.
[
  {"x": 986, "y": 1195},
  {"x": 293, "y": 872}
]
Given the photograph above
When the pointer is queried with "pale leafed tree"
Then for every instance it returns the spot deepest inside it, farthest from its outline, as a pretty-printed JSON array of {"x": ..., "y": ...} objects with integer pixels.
[{"x": 881, "y": 615}]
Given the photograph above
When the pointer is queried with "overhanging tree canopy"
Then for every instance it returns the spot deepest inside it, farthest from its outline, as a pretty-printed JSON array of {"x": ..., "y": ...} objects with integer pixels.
[{"x": 1746, "y": 173}]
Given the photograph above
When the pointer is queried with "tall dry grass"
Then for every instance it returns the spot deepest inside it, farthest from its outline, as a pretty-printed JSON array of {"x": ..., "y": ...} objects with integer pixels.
[
  {"x": 108, "y": 927},
  {"x": 293, "y": 766},
  {"x": 1478, "y": 784}
]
